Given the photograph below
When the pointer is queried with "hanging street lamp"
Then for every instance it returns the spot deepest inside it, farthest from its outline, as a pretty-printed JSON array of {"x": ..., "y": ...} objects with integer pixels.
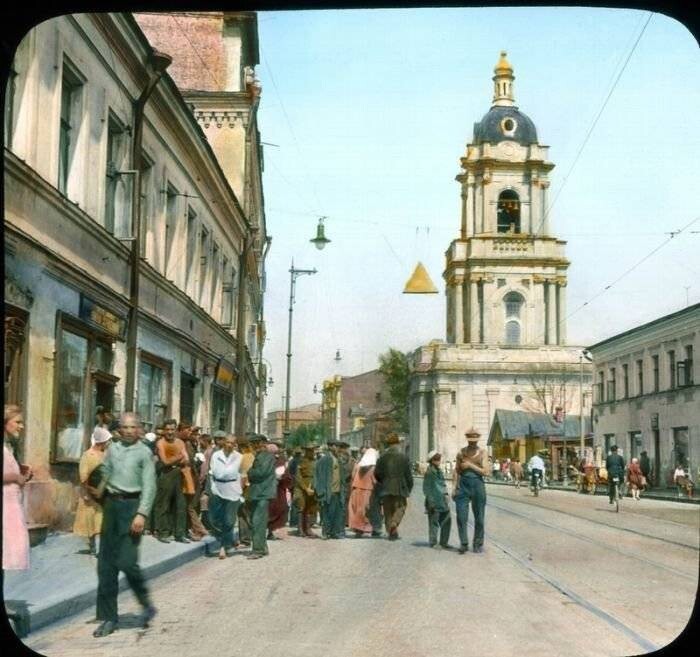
[{"x": 320, "y": 240}]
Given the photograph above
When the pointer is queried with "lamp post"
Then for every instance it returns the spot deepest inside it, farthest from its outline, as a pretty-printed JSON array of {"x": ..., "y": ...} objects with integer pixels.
[
  {"x": 293, "y": 275},
  {"x": 157, "y": 63},
  {"x": 584, "y": 354}
]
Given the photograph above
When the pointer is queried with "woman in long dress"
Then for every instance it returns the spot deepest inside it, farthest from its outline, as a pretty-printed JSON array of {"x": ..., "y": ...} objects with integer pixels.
[
  {"x": 635, "y": 478},
  {"x": 363, "y": 483},
  {"x": 15, "y": 537},
  {"x": 88, "y": 516}
]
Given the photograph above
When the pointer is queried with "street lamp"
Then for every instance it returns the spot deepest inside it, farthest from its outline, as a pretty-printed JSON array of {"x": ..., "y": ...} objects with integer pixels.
[
  {"x": 293, "y": 275},
  {"x": 320, "y": 240},
  {"x": 584, "y": 354}
]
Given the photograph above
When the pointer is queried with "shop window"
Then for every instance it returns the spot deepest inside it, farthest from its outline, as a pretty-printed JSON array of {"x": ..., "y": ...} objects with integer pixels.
[
  {"x": 154, "y": 390},
  {"x": 508, "y": 212}
]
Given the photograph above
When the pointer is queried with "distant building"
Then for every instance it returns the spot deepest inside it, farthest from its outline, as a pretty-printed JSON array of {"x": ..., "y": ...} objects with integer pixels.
[
  {"x": 647, "y": 393},
  {"x": 506, "y": 282},
  {"x": 309, "y": 414}
]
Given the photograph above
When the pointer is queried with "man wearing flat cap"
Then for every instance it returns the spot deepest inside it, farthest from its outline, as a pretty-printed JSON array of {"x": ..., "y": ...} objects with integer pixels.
[
  {"x": 436, "y": 502},
  {"x": 327, "y": 484},
  {"x": 393, "y": 472},
  {"x": 262, "y": 489}
]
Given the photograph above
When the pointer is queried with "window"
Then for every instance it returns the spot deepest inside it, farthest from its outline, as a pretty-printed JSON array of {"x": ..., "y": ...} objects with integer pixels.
[
  {"x": 611, "y": 385},
  {"x": 115, "y": 153},
  {"x": 512, "y": 332},
  {"x": 625, "y": 382},
  {"x": 187, "y": 386},
  {"x": 681, "y": 454},
  {"x": 655, "y": 365},
  {"x": 635, "y": 444},
  {"x": 215, "y": 264},
  {"x": 203, "y": 265},
  {"x": 190, "y": 272},
  {"x": 146, "y": 233},
  {"x": 9, "y": 124},
  {"x": 671, "y": 369},
  {"x": 154, "y": 390},
  {"x": 684, "y": 368},
  {"x": 609, "y": 441},
  {"x": 15, "y": 348},
  {"x": 640, "y": 377},
  {"x": 220, "y": 409},
  {"x": 83, "y": 381},
  {"x": 508, "y": 212},
  {"x": 71, "y": 86},
  {"x": 170, "y": 227},
  {"x": 228, "y": 292},
  {"x": 453, "y": 397},
  {"x": 600, "y": 388}
]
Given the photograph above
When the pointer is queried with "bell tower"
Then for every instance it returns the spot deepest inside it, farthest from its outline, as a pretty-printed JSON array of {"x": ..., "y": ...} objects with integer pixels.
[{"x": 506, "y": 274}]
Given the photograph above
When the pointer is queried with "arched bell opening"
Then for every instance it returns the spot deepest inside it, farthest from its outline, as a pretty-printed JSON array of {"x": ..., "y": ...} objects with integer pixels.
[{"x": 508, "y": 212}]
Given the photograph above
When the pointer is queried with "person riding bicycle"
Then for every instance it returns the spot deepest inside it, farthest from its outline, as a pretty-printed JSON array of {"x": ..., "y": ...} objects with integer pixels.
[
  {"x": 615, "y": 465},
  {"x": 536, "y": 467}
]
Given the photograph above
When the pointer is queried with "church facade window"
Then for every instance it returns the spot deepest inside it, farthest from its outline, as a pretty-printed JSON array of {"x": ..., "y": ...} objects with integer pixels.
[
  {"x": 513, "y": 303},
  {"x": 508, "y": 212}
]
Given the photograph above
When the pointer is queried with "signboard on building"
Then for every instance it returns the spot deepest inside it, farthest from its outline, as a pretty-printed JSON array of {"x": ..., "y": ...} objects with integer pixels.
[
  {"x": 225, "y": 374},
  {"x": 102, "y": 318}
]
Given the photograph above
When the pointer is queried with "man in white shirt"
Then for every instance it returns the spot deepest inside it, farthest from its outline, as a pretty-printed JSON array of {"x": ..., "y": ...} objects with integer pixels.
[
  {"x": 536, "y": 467},
  {"x": 226, "y": 493}
]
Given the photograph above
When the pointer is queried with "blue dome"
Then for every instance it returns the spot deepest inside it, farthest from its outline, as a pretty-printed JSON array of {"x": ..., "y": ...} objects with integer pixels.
[{"x": 496, "y": 127}]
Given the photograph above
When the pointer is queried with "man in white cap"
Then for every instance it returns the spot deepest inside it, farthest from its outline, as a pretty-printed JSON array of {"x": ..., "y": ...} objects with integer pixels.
[{"x": 436, "y": 502}]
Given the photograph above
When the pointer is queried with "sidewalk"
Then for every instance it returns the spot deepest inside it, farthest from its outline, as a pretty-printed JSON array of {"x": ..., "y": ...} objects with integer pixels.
[
  {"x": 61, "y": 582},
  {"x": 668, "y": 494}
]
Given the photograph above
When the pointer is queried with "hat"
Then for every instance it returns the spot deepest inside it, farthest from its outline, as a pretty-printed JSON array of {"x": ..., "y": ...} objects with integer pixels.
[
  {"x": 472, "y": 435},
  {"x": 343, "y": 444},
  {"x": 392, "y": 439},
  {"x": 258, "y": 438},
  {"x": 100, "y": 435},
  {"x": 219, "y": 434},
  {"x": 330, "y": 442},
  {"x": 432, "y": 454},
  {"x": 150, "y": 436}
]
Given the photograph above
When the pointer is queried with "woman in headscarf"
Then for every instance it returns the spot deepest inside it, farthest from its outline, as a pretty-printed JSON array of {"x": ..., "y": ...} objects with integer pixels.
[
  {"x": 363, "y": 483},
  {"x": 278, "y": 509},
  {"x": 635, "y": 478},
  {"x": 15, "y": 536},
  {"x": 88, "y": 517}
]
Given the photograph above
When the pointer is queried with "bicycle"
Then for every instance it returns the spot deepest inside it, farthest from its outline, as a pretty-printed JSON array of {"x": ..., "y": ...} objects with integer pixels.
[
  {"x": 536, "y": 482},
  {"x": 616, "y": 493}
]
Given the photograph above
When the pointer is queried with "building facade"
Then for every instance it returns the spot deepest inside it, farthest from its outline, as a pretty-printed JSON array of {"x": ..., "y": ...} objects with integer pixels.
[
  {"x": 309, "y": 414},
  {"x": 647, "y": 393},
  {"x": 506, "y": 278},
  {"x": 69, "y": 131}
]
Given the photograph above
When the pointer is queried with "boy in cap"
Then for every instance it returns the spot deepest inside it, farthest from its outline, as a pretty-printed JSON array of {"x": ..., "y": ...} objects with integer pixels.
[{"x": 436, "y": 502}]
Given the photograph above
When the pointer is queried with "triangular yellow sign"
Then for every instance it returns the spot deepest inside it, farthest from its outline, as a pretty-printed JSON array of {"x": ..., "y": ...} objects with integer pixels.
[{"x": 420, "y": 282}]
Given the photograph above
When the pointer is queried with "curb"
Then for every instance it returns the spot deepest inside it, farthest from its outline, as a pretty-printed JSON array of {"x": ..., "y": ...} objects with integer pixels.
[{"x": 43, "y": 615}]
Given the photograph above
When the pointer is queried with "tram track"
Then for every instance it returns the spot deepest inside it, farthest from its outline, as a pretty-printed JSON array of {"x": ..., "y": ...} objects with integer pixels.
[
  {"x": 583, "y": 537},
  {"x": 598, "y": 522}
]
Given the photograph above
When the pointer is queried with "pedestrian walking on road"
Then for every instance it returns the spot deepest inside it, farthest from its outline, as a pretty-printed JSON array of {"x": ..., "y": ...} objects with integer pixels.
[
  {"x": 304, "y": 494},
  {"x": 15, "y": 536},
  {"x": 394, "y": 475},
  {"x": 244, "y": 510},
  {"x": 615, "y": 466},
  {"x": 129, "y": 485},
  {"x": 279, "y": 507},
  {"x": 516, "y": 471},
  {"x": 635, "y": 478},
  {"x": 225, "y": 494},
  {"x": 170, "y": 505},
  {"x": 263, "y": 488},
  {"x": 362, "y": 486},
  {"x": 327, "y": 484},
  {"x": 88, "y": 515},
  {"x": 472, "y": 467},
  {"x": 437, "y": 502}
]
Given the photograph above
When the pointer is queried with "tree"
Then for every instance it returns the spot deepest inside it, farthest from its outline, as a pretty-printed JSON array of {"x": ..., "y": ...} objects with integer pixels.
[
  {"x": 547, "y": 393},
  {"x": 395, "y": 368},
  {"x": 305, "y": 434}
]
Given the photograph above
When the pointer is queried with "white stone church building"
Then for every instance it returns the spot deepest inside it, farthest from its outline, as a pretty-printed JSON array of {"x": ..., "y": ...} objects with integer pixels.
[{"x": 506, "y": 279}]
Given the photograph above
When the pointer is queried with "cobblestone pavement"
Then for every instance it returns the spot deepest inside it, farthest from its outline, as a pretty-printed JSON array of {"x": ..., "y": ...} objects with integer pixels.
[{"x": 548, "y": 583}]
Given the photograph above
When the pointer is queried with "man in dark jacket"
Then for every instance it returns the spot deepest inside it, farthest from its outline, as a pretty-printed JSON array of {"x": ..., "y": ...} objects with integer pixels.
[
  {"x": 436, "y": 502},
  {"x": 615, "y": 465},
  {"x": 263, "y": 488},
  {"x": 393, "y": 472},
  {"x": 346, "y": 466},
  {"x": 327, "y": 484},
  {"x": 645, "y": 467}
]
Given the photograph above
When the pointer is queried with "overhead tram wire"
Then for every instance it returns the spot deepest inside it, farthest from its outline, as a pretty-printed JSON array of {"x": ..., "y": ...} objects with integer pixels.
[{"x": 578, "y": 154}]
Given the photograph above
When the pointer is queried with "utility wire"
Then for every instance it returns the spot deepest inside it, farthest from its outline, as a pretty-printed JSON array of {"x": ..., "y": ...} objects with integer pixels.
[{"x": 196, "y": 52}]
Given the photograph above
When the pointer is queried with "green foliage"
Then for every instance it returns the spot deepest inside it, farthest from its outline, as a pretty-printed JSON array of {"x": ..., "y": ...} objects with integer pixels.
[
  {"x": 305, "y": 434},
  {"x": 395, "y": 368}
]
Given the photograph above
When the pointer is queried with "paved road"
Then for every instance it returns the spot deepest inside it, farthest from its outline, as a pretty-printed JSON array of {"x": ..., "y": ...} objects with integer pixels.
[{"x": 561, "y": 575}]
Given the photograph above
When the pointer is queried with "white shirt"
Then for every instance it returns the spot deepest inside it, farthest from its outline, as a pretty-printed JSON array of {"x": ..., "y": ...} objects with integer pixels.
[
  {"x": 535, "y": 462},
  {"x": 678, "y": 473},
  {"x": 225, "y": 476}
]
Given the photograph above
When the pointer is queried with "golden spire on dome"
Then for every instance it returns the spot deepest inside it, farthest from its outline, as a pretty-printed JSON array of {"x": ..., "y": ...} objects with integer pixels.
[{"x": 503, "y": 64}]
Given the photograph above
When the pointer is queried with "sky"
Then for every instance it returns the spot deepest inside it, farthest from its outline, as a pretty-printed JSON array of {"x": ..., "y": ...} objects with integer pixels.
[{"x": 369, "y": 112}]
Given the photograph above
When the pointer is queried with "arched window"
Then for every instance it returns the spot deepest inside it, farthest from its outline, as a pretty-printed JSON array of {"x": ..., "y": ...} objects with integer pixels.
[
  {"x": 512, "y": 332},
  {"x": 513, "y": 301},
  {"x": 508, "y": 212}
]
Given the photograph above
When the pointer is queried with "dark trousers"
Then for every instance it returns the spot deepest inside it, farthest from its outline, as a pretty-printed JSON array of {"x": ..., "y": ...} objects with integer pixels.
[
  {"x": 259, "y": 520},
  {"x": 293, "y": 515},
  {"x": 439, "y": 522},
  {"x": 222, "y": 513},
  {"x": 332, "y": 522},
  {"x": 169, "y": 495},
  {"x": 374, "y": 513},
  {"x": 244, "y": 522},
  {"x": 471, "y": 490},
  {"x": 118, "y": 551},
  {"x": 394, "y": 508}
]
